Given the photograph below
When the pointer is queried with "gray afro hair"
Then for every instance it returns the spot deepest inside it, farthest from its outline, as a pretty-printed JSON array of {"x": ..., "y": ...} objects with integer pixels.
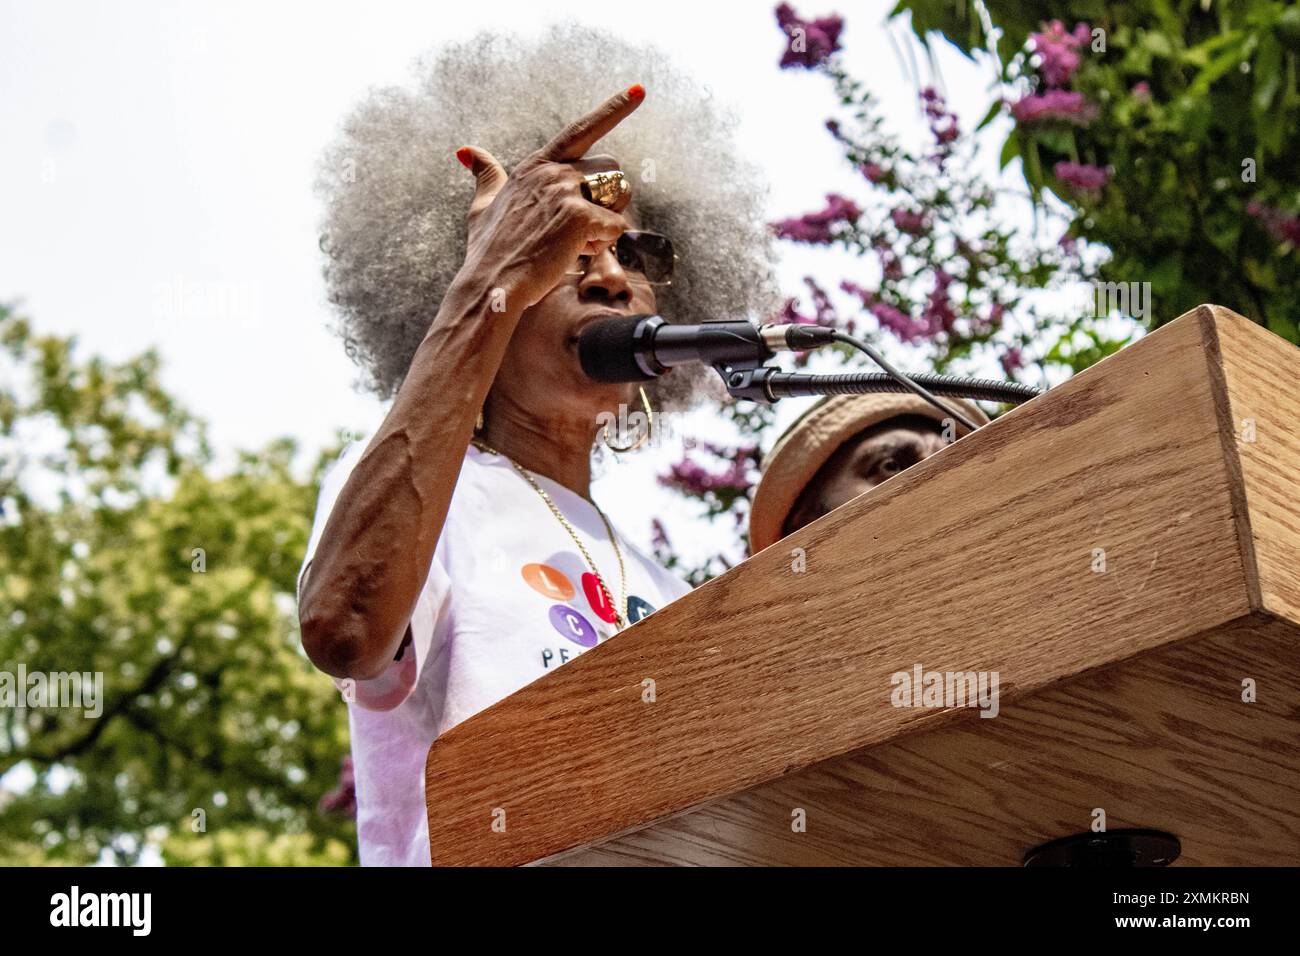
[{"x": 396, "y": 198}]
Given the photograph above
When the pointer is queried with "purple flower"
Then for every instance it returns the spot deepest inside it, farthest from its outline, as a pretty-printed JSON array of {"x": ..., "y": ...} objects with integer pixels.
[
  {"x": 1053, "y": 105},
  {"x": 1142, "y": 90},
  {"x": 659, "y": 536},
  {"x": 1082, "y": 177},
  {"x": 1282, "y": 226},
  {"x": 1012, "y": 360},
  {"x": 692, "y": 478},
  {"x": 935, "y": 105},
  {"x": 811, "y": 41},
  {"x": 943, "y": 122},
  {"x": 906, "y": 328},
  {"x": 1058, "y": 51},
  {"x": 825, "y": 311},
  {"x": 891, "y": 267},
  {"x": 820, "y": 228},
  {"x": 852, "y": 288},
  {"x": 790, "y": 314},
  {"x": 342, "y": 800},
  {"x": 912, "y": 223},
  {"x": 903, "y": 326},
  {"x": 822, "y": 303},
  {"x": 873, "y": 171},
  {"x": 938, "y": 314}
]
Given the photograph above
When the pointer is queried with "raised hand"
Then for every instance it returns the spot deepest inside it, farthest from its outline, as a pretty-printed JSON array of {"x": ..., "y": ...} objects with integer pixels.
[{"x": 527, "y": 228}]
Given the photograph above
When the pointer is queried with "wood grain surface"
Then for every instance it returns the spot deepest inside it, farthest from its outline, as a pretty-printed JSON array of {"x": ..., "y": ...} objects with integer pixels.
[
  {"x": 981, "y": 558},
  {"x": 1262, "y": 424},
  {"x": 1162, "y": 741}
]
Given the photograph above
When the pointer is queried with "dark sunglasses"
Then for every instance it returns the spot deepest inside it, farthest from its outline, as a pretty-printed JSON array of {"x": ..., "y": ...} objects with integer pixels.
[{"x": 643, "y": 255}]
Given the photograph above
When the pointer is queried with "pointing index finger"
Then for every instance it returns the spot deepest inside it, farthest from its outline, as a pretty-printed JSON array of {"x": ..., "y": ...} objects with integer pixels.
[{"x": 580, "y": 135}]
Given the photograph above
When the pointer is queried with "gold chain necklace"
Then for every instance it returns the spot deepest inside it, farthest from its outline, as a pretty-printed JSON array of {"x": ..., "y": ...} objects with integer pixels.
[{"x": 613, "y": 538}]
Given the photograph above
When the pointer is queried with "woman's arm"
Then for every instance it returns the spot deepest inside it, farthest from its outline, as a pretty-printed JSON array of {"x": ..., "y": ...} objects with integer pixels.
[
  {"x": 370, "y": 564},
  {"x": 368, "y": 569}
]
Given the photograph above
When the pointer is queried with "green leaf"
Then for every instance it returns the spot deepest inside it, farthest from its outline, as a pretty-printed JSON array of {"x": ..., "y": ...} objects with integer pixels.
[
  {"x": 1167, "y": 276},
  {"x": 1010, "y": 149},
  {"x": 952, "y": 19},
  {"x": 1286, "y": 328},
  {"x": 1199, "y": 55},
  {"x": 1157, "y": 43},
  {"x": 1268, "y": 72},
  {"x": 1058, "y": 141},
  {"x": 1288, "y": 28},
  {"x": 1033, "y": 167},
  {"x": 1230, "y": 58},
  {"x": 994, "y": 109},
  {"x": 1261, "y": 274}
]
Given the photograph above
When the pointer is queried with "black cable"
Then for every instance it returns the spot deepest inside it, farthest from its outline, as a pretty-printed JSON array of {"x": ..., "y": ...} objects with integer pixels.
[
  {"x": 902, "y": 378},
  {"x": 767, "y": 384}
]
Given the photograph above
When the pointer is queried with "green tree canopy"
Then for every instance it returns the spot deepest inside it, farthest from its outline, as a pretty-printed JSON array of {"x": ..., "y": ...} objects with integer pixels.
[{"x": 124, "y": 552}]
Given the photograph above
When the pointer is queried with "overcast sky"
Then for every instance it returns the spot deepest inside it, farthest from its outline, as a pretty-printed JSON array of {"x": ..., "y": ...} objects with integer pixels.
[{"x": 155, "y": 180}]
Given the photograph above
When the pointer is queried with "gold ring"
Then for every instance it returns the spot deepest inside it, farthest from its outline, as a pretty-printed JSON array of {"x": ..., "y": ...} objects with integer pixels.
[{"x": 606, "y": 189}]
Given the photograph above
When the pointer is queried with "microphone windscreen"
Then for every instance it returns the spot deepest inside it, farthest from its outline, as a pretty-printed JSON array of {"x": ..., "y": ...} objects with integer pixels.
[{"x": 607, "y": 350}]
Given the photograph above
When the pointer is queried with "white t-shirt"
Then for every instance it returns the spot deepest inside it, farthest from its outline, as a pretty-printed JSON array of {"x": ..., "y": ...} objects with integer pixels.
[{"x": 507, "y": 599}]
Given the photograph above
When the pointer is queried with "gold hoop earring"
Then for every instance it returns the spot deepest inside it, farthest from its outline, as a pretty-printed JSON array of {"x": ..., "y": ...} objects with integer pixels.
[
  {"x": 478, "y": 422},
  {"x": 645, "y": 433}
]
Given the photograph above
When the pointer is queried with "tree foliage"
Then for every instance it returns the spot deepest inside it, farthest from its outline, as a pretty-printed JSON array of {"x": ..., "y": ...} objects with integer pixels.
[
  {"x": 1169, "y": 126},
  {"x": 124, "y": 552},
  {"x": 938, "y": 267}
]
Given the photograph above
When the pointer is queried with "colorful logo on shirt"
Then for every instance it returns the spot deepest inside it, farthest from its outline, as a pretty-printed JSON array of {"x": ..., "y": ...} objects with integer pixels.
[
  {"x": 638, "y": 608},
  {"x": 552, "y": 583},
  {"x": 548, "y": 581},
  {"x": 598, "y": 599},
  {"x": 573, "y": 625}
]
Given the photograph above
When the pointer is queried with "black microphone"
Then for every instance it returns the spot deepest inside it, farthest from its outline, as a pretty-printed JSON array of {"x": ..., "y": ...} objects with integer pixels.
[{"x": 641, "y": 347}]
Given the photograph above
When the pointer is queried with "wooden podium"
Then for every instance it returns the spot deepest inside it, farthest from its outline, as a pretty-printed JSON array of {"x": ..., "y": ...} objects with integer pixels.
[{"x": 1124, "y": 551}]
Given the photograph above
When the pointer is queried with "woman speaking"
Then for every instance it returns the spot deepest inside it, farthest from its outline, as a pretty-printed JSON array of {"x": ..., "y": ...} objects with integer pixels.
[{"x": 457, "y": 555}]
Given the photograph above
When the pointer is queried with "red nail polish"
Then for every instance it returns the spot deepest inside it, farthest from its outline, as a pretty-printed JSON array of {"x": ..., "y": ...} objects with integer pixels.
[
  {"x": 466, "y": 156},
  {"x": 636, "y": 91}
]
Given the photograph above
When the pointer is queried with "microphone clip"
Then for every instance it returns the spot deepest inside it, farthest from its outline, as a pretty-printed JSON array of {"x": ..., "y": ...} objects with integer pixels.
[{"x": 747, "y": 380}]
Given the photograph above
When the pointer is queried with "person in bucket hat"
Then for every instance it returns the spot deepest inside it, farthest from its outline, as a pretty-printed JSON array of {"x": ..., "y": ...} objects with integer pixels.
[{"x": 843, "y": 446}]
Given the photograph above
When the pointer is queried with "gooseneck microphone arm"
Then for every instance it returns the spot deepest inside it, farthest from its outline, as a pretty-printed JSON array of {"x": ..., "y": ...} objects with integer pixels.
[
  {"x": 640, "y": 347},
  {"x": 773, "y": 384}
]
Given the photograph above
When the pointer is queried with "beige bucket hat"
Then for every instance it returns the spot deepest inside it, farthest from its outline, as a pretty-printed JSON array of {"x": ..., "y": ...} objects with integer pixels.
[{"x": 814, "y": 437}]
